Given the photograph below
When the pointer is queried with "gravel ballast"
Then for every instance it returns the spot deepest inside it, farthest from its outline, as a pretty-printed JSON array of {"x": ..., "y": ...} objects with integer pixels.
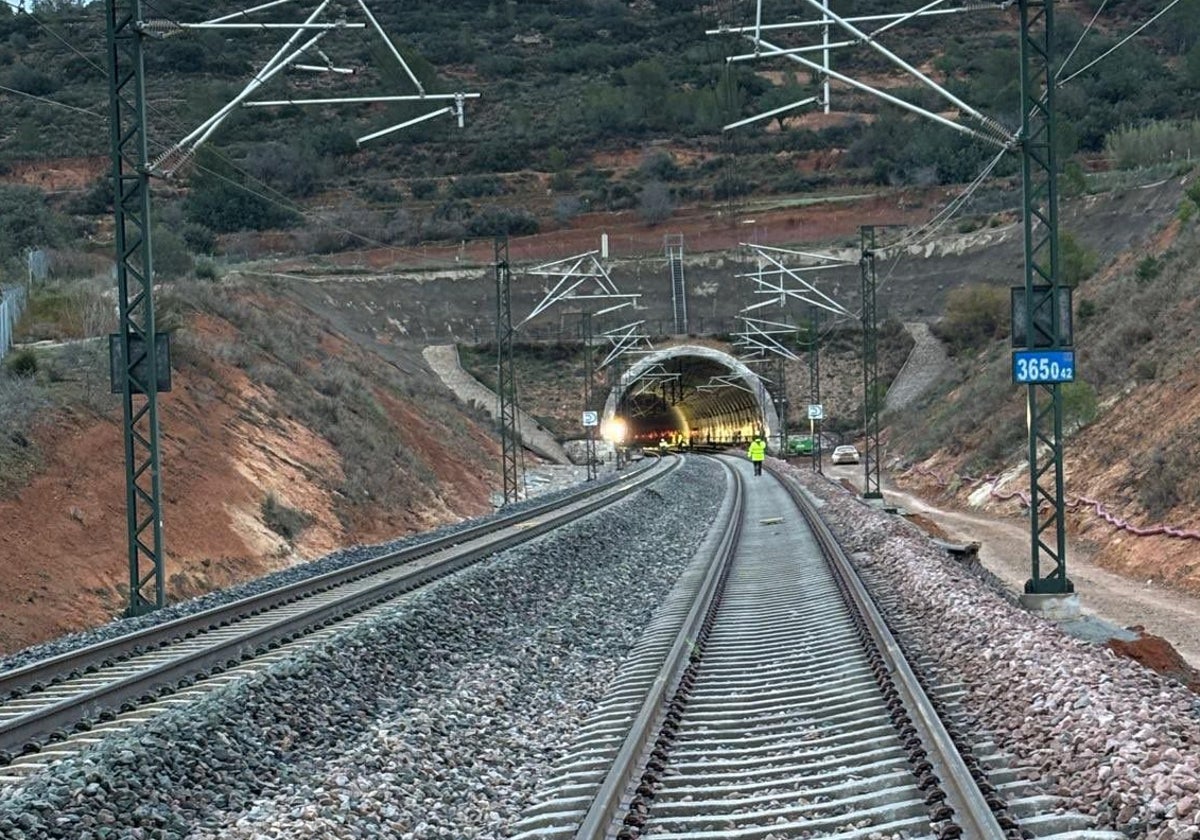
[
  {"x": 438, "y": 720},
  {"x": 435, "y": 721},
  {"x": 1111, "y": 737},
  {"x": 548, "y": 490}
]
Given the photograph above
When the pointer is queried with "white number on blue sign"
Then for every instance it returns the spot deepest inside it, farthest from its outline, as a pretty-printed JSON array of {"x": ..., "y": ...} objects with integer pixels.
[{"x": 1045, "y": 366}]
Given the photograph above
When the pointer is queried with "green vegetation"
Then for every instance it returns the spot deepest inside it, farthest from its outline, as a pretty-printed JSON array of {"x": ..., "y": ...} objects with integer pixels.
[
  {"x": 219, "y": 202},
  {"x": 1168, "y": 476},
  {"x": 1157, "y": 142},
  {"x": 976, "y": 315},
  {"x": 1191, "y": 201},
  {"x": 23, "y": 364},
  {"x": 348, "y": 399},
  {"x": 286, "y": 521},
  {"x": 561, "y": 79},
  {"x": 1078, "y": 405},
  {"x": 1078, "y": 262},
  {"x": 22, "y": 401},
  {"x": 27, "y": 221}
]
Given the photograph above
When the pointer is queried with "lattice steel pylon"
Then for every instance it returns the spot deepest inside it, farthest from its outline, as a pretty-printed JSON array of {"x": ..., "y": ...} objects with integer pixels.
[
  {"x": 781, "y": 404},
  {"x": 506, "y": 379},
  {"x": 1039, "y": 170},
  {"x": 589, "y": 372},
  {"x": 137, "y": 369},
  {"x": 871, "y": 399},
  {"x": 814, "y": 386}
]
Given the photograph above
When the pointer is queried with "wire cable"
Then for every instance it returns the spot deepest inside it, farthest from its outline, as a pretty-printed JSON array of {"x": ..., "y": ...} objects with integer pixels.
[
  {"x": 1119, "y": 44},
  {"x": 48, "y": 101},
  {"x": 1086, "y": 30},
  {"x": 265, "y": 192}
]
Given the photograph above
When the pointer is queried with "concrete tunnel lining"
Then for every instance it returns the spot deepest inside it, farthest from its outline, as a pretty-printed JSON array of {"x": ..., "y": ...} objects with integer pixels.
[{"x": 724, "y": 404}]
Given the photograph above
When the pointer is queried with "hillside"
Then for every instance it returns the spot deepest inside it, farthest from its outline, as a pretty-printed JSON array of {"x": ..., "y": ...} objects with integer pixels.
[
  {"x": 586, "y": 106},
  {"x": 281, "y": 441},
  {"x": 303, "y": 276}
]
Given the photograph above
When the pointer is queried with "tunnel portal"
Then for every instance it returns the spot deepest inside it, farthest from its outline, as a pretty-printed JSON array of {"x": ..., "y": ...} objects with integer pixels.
[{"x": 689, "y": 393}]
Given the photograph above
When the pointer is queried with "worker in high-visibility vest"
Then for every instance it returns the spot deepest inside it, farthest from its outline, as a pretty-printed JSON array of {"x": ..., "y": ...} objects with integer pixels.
[{"x": 756, "y": 452}]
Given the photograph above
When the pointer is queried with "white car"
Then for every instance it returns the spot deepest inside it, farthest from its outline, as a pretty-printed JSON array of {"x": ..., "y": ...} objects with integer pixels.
[{"x": 844, "y": 455}]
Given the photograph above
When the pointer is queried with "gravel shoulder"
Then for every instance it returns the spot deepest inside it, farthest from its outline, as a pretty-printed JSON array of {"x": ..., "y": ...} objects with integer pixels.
[{"x": 1004, "y": 551}]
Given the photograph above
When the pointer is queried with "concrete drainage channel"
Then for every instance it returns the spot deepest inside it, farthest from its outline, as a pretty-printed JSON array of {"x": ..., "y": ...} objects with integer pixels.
[{"x": 786, "y": 724}]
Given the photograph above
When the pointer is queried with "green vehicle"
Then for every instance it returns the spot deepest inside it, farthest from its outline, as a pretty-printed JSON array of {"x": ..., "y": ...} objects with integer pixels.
[{"x": 799, "y": 445}]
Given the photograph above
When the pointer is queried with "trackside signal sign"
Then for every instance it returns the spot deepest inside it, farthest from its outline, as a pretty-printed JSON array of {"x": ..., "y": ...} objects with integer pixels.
[{"x": 1043, "y": 367}]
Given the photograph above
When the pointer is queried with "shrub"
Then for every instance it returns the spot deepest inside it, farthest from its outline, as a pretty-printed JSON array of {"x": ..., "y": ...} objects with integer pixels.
[
  {"x": 1190, "y": 202},
  {"x": 27, "y": 221},
  {"x": 731, "y": 186},
  {"x": 171, "y": 257},
  {"x": 497, "y": 221},
  {"x": 380, "y": 192},
  {"x": 96, "y": 200},
  {"x": 1158, "y": 489},
  {"x": 198, "y": 238},
  {"x": 655, "y": 204},
  {"x": 476, "y": 186},
  {"x": 1073, "y": 180},
  {"x": 31, "y": 81},
  {"x": 562, "y": 181},
  {"x": 207, "y": 270},
  {"x": 658, "y": 165},
  {"x": 1148, "y": 269},
  {"x": 23, "y": 363},
  {"x": 1078, "y": 261},
  {"x": 423, "y": 189},
  {"x": 334, "y": 142},
  {"x": 292, "y": 171},
  {"x": 499, "y": 156},
  {"x": 1079, "y": 404},
  {"x": 283, "y": 520},
  {"x": 567, "y": 208},
  {"x": 1136, "y": 146},
  {"x": 225, "y": 206},
  {"x": 975, "y": 315}
]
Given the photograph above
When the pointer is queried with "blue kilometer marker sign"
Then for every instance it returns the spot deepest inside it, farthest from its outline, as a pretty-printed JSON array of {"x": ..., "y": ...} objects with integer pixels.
[{"x": 1038, "y": 367}]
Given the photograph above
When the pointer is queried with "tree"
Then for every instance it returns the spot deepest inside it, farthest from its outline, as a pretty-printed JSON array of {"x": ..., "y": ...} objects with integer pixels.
[
  {"x": 783, "y": 95},
  {"x": 654, "y": 203},
  {"x": 290, "y": 170},
  {"x": 26, "y": 221},
  {"x": 658, "y": 165},
  {"x": 1078, "y": 262},
  {"x": 225, "y": 206},
  {"x": 648, "y": 83},
  {"x": 171, "y": 257},
  {"x": 1192, "y": 66}
]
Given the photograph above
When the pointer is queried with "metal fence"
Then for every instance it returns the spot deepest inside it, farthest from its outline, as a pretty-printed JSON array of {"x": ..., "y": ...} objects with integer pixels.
[{"x": 12, "y": 302}]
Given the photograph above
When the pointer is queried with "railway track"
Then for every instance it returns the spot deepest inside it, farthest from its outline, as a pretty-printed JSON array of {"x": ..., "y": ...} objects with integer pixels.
[
  {"x": 54, "y": 708},
  {"x": 770, "y": 700}
]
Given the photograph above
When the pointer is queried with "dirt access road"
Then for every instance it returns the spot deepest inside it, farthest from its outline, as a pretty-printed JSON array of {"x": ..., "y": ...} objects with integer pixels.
[{"x": 1004, "y": 551}]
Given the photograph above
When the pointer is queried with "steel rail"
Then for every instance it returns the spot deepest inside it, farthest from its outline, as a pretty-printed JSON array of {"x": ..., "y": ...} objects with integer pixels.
[
  {"x": 73, "y": 663},
  {"x": 23, "y": 733},
  {"x": 630, "y": 759},
  {"x": 971, "y": 811},
  {"x": 796, "y": 713}
]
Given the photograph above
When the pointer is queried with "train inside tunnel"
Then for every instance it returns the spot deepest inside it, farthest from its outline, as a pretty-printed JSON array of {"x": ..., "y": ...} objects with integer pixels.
[{"x": 688, "y": 393}]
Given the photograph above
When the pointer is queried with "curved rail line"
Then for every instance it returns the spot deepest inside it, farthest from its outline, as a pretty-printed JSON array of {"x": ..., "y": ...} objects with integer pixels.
[
  {"x": 769, "y": 699},
  {"x": 46, "y": 701}
]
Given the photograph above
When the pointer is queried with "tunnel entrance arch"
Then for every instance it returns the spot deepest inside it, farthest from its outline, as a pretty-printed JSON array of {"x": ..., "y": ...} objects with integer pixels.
[{"x": 690, "y": 392}]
